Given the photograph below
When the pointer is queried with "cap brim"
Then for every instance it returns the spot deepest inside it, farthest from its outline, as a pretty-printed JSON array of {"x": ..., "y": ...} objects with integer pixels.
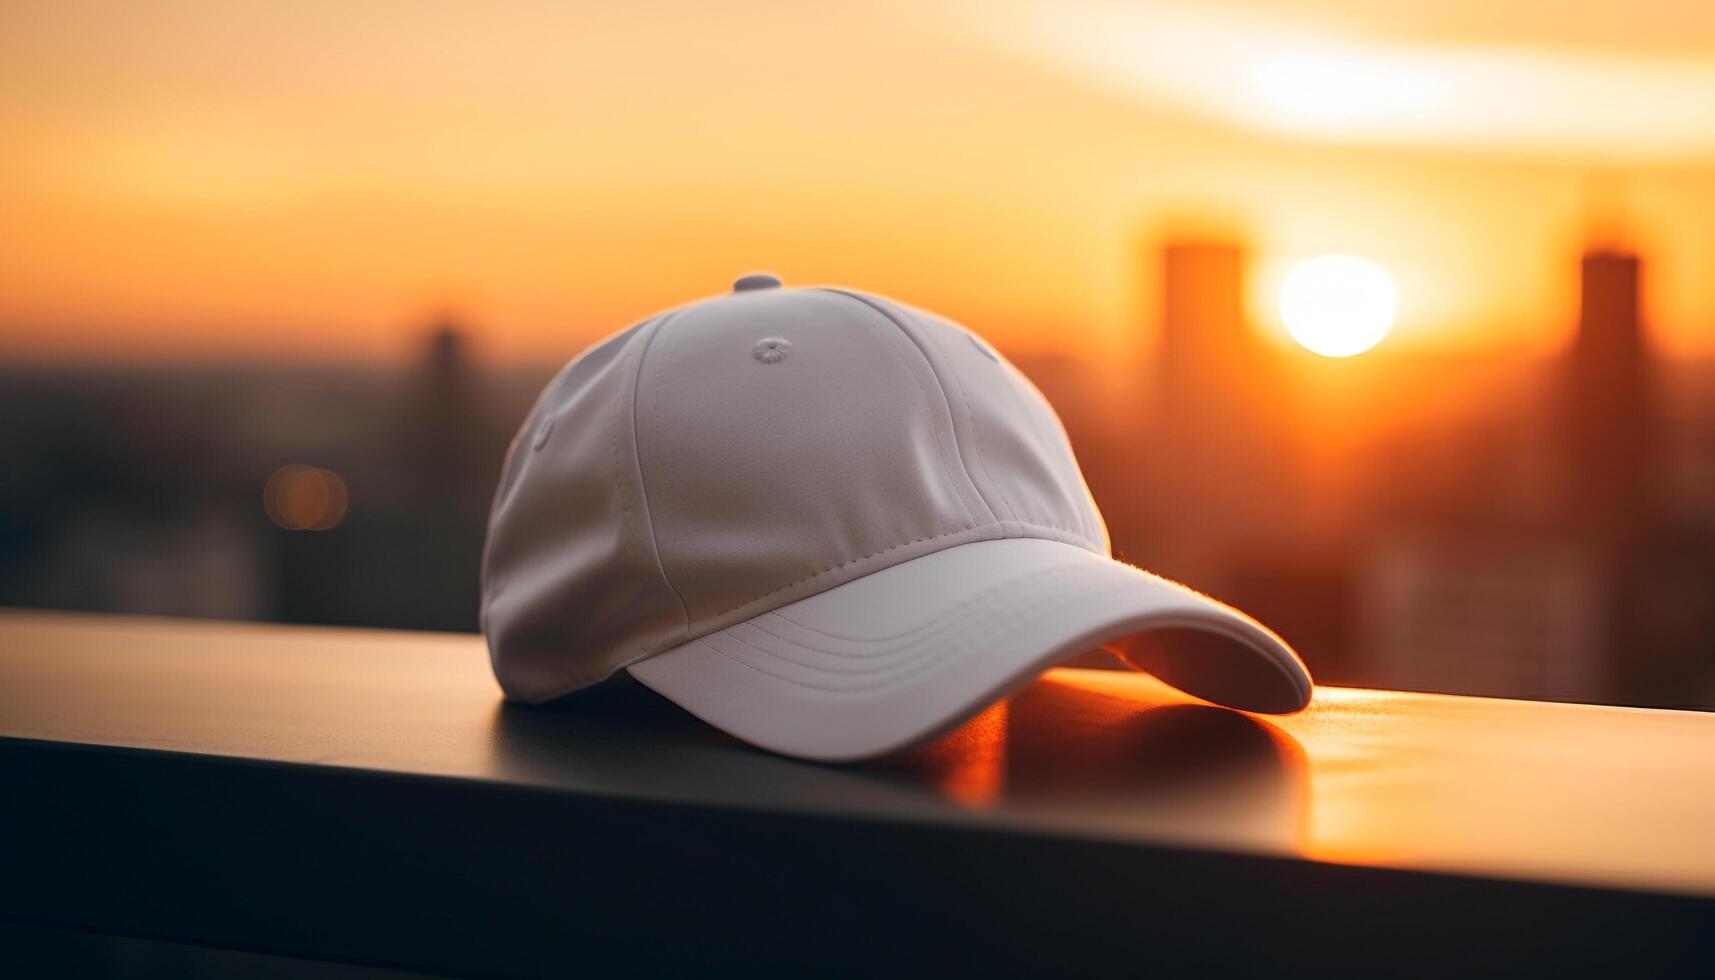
[{"x": 902, "y": 655}]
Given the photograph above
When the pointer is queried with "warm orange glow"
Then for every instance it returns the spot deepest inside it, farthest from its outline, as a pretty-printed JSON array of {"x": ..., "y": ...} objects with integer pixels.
[
  {"x": 1338, "y": 305},
  {"x": 170, "y": 193},
  {"x": 1323, "y": 91},
  {"x": 1122, "y": 750},
  {"x": 1360, "y": 777},
  {"x": 1482, "y": 79},
  {"x": 970, "y": 763},
  {"x": 304, "y": 498},
  {"x": 1393, "y": 775}
]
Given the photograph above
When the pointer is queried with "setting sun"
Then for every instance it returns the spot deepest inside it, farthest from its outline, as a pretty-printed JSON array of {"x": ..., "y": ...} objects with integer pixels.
[{"x": 1338, "y": 305}]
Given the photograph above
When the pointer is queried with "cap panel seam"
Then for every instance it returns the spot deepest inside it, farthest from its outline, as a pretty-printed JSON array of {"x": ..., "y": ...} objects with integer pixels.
[
  {"x": 977, "y": 443},
  {"x": 877, "y": 309},
  {"x": 889, "y": 333},
  {"x": 1034, "y": 516},
  {"x": 637, "y": 454},
  {"x": 1053, "y": 428}
]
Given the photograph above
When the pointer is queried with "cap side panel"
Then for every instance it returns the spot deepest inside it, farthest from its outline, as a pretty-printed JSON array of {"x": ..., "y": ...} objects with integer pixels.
[
  {"x": 576, "y": 372},
  {"x": 637, "y": 469},
  {"x": 879, "y": 309},
  {"x": 571, "y": 590},
  {"x": 929, "y": 386},
  {"x": 1073, "y": 489},
  {"x": 1022, "y": 440},
  {"x": 538, "y": 424}
]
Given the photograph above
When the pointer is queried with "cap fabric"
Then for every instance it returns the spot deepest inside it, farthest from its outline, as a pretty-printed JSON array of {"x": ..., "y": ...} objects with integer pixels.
[{"x": 830, "y": 524}]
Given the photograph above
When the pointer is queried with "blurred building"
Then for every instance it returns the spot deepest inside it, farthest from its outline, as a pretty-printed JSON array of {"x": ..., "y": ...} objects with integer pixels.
[
  {"x": 1490, "y": 612},
  {"x": 446, "y": 434},
  {"x": 1210, "y": 491},
  {"x": 1608, "y": 410},
  {"x": 409, "y": 554},
  {"x": 1220, "y": 478},
  {"x": 1587, "y": 588},
  {"x": 1608, "y": 436}
]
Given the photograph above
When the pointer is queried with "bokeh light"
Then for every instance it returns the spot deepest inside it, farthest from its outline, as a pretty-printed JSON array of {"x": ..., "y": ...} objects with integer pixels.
[{"x": 304, "y": 498}]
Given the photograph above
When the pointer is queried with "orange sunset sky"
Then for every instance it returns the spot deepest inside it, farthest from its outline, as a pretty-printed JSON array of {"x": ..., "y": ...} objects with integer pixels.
[{"x": 310, "y": 180}]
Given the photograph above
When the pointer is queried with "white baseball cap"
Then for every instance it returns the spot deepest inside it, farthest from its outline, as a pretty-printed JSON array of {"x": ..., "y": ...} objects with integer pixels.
[{"x": 828, "y": 523}]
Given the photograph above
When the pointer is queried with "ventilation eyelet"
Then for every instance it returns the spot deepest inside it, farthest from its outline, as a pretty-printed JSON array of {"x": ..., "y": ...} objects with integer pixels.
[{"x": 771, "y": 350}]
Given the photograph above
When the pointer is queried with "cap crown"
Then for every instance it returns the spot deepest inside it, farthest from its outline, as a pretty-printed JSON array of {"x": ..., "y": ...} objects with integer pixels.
[{"x": 738, "y": 454}]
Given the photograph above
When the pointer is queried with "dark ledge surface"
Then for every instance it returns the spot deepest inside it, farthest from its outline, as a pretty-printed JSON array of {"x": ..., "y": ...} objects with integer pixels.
[{"x": 366, "y": 797}]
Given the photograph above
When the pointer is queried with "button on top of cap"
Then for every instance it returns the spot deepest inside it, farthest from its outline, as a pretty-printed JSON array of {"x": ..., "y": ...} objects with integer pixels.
[{"x": 758, "y": 280}]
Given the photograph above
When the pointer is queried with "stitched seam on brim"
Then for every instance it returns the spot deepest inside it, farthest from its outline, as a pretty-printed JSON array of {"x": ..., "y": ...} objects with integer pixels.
[
  {"x": 940, "y": 614},
  {"x": 974, "y": 637},
  {"x": 1165, "y": 622},
  {"x": 999, "y": 621},
  {"x": 951, "y": 617}
]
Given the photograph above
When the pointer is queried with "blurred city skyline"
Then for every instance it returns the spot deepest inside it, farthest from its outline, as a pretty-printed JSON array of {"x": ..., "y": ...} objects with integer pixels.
[
  {"x": 248, "y": 182},
  {"x": 1519, "y": 527}
]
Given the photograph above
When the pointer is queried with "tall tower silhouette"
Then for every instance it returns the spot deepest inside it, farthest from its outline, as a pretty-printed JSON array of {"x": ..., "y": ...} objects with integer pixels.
[
  {"x": 1221, "y": 470},
  {"x": 1609, "y": 440},
  {"x": 449, "y": 455},
  {"x": 1206, "y": 348},
  {"x": 1608, "y": 409},
  {"x": 446, "y": 438}
]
